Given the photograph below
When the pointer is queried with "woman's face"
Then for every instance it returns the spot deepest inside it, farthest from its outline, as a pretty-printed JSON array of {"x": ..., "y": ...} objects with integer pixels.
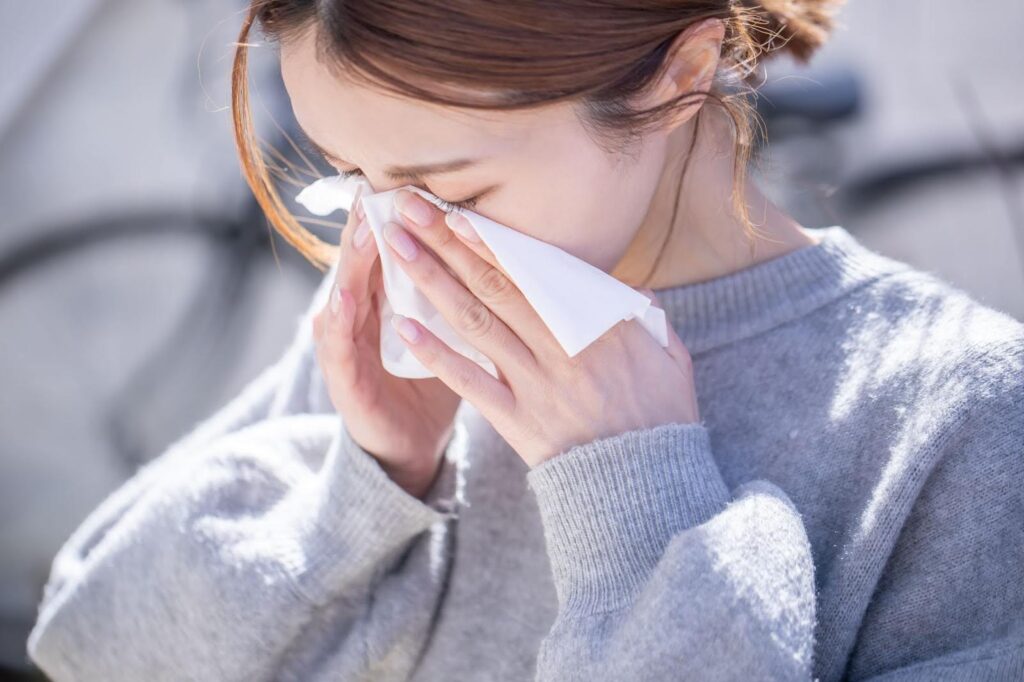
[{"x": 536, "y": 171}]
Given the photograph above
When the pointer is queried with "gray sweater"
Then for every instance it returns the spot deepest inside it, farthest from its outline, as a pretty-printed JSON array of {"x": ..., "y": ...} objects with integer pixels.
[{"x": 849, "y": 508}]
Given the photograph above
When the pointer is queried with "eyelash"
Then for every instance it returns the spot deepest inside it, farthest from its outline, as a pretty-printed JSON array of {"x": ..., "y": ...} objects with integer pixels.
[{"x": 446, "y": 206}]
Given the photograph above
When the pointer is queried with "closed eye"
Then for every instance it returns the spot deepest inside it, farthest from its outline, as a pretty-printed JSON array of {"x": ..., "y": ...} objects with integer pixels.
[{"x": 446, "y": 206}]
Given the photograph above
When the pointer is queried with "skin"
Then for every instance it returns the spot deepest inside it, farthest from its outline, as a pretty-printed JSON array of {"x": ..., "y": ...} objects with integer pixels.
[{"x": 539, "y": 173}]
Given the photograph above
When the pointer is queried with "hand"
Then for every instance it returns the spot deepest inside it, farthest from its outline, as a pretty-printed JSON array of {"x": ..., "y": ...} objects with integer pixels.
[
  {"x": 404, "y": 423},
  {"x": 543, "y": 402}
]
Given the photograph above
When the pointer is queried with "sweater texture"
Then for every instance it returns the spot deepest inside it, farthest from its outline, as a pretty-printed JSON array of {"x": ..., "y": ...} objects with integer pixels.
[{"x": 849, "y": 508}]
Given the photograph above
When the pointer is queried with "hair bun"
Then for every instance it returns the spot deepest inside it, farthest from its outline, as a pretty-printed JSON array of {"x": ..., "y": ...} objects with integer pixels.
[{"x": 798, "y": 27}]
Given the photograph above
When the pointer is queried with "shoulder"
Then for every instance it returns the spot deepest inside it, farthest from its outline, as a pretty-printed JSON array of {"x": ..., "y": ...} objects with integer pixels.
[
  {"x": 946, "y": 344},
  {"x": 962, "y": 367},
  {"x": 943, "y": 375},
  {"x": 960, "y": 548}
]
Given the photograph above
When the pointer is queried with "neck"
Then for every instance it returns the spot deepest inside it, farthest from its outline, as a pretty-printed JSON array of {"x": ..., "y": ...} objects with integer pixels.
[{"x": 706, "y": 240}]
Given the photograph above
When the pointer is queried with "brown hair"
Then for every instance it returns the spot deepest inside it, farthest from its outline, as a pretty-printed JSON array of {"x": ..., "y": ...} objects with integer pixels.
[{"x": 597, "y": 53}]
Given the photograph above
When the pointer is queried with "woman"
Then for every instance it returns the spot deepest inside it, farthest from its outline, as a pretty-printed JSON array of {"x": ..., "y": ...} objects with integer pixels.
[{"x": 842, "y": 501}]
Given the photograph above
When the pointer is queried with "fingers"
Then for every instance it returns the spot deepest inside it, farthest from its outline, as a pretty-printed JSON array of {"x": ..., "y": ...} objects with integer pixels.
[
  {"x": 475, "y": 266},
  {"x": 459, "y": 225},
  {"x": 678, "y": 351},
  {"x": 490, "y": 396},
  {"x": 348, "y": 303},
  {"x": 335, "y": 346},
  {"x": 357, "y": 255},
  {"x": 466, "y": 314},
  {"x": 676, "y": 348}
]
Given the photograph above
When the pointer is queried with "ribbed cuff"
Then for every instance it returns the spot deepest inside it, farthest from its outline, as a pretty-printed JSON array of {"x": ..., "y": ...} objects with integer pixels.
[
  {"x": 611, "y": 506},
  {"x": 366, "y": 519}
]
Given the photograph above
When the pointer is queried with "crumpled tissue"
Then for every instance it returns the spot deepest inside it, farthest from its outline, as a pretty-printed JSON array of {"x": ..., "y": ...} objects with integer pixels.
[{"x": 577, "y": 301}]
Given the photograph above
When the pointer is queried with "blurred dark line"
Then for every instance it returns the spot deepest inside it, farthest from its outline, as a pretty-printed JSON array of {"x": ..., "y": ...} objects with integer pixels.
[
  {"x": 83, "y": 14},
  {"x": 50, "y": 242},
  {"x": 897, "y": 178},
  {"x": 829, "y": 95},
  {"x": 968, "y": 98}
]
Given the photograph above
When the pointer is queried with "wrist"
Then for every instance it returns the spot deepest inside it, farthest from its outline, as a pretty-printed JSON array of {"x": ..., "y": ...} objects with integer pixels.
[{"x": 417, "y": 481}]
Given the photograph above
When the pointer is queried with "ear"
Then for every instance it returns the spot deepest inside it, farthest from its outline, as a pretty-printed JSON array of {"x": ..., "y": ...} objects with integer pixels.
[{"x": 689, "y": 66}]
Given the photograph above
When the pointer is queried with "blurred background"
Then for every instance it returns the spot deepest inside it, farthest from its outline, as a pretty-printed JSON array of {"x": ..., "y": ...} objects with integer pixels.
[{"x": 140, "y": 287}]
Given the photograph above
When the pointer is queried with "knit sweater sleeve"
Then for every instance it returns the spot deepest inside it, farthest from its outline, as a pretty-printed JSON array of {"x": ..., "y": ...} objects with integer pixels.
[
  {"x": 661, "y": 573},
  {"x": 259, "y": 546},
  {"x": 659, "y": 570}
]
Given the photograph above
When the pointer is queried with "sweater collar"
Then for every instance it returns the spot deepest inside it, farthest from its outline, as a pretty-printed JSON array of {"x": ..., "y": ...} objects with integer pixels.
[{"x": 752, "y": 300}]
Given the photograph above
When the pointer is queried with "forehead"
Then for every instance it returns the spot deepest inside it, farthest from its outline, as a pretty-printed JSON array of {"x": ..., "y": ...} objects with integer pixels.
[{"x": 359, "y": 123}]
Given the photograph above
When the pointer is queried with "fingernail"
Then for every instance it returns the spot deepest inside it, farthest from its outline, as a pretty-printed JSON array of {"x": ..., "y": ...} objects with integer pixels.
[
  {"x": 357, "y": 205},
  {"x": 335, "y": 299},
  {"x": 459, "y": 224},
  {"x": 406, "y": 329},
  {"x": 400, "y": 241},
  {"x": 413, "y": 207},
  {"x": 362, "y": 235}
]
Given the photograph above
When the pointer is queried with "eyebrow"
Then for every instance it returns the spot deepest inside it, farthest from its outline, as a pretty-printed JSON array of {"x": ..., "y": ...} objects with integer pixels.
[{"x": 400, "y": 172}]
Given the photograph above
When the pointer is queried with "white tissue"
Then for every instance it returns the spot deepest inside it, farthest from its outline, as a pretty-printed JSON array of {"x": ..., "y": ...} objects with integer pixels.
[{"x": 577, "y": 301}]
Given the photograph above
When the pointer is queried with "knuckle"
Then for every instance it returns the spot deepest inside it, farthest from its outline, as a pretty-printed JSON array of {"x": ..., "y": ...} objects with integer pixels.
[
  {"x": 619, "y": 331},
  {"x": 576, "y": 362},
  {"x": 572, "y": 364},
  {"x": 427, "y": 272},
  {"x": 463, "y": 379},
  {"x": 427, "y": 355},
  {"x": 475, "y": 317},
  {"x": 493, "y": 285}
]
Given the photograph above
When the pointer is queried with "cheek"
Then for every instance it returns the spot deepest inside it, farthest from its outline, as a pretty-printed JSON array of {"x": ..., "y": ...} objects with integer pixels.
[
  {"x": 603, "y": 231},
  {"x": 560, "y": 216},
  {"x": 596, "y": 216},
  {"x": 622, "y": 206},
  {"x": 590, "y": 211}
]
